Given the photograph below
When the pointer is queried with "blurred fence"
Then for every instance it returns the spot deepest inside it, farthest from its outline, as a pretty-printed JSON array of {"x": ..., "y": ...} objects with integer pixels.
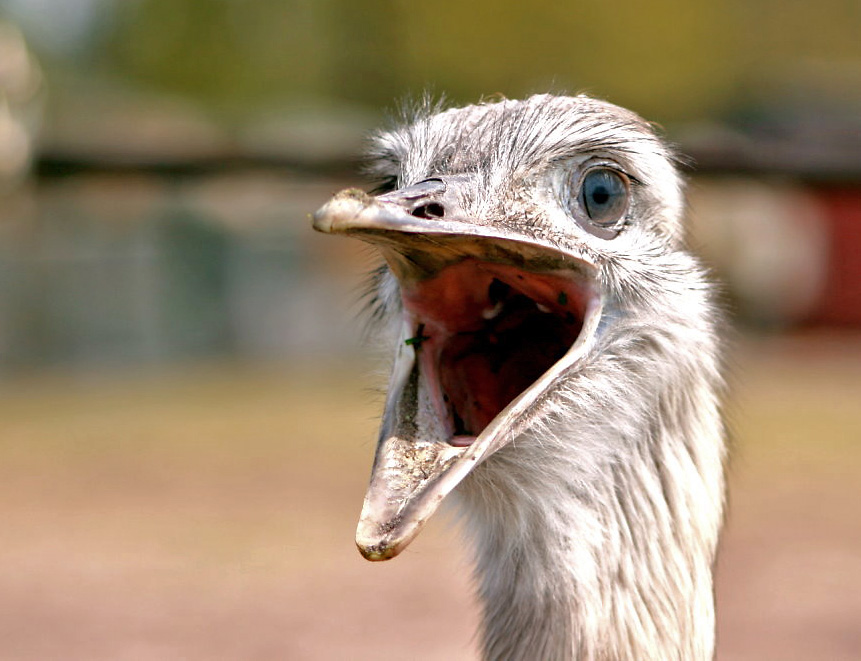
[
  {"x": 112, "y": 255},
  {"x": 104, "y": 269}
]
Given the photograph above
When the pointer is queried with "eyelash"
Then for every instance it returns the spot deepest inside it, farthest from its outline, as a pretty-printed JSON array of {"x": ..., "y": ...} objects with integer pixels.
[{"x": 387, "y": 185}]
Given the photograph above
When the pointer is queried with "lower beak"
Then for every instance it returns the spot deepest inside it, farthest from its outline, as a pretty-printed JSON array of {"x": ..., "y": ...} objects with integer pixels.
[{"x": 419, "y": 458}]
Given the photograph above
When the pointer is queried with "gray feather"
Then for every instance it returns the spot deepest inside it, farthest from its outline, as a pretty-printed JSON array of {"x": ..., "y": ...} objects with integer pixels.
[{"x": 595, "y": 531}]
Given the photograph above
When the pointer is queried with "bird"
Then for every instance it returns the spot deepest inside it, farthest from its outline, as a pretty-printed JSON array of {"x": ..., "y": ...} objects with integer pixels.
[{"x": 557, "y": 372}]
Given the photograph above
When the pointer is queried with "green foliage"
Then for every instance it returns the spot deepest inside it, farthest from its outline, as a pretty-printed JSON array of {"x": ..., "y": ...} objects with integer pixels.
[
  {"x": 669, "y": 59},
  {"x": 221, "y": 51}
]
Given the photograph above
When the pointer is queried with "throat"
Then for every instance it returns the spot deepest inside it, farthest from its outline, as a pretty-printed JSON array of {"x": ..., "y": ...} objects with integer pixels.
[
  {"x": 523, "y": 557},
  {"x": 559, "y": 579},
  {"x": 528, "y": 598}
]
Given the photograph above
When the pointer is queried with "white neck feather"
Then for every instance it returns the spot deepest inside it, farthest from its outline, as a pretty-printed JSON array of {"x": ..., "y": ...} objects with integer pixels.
[{"x": 595, "y": 535}]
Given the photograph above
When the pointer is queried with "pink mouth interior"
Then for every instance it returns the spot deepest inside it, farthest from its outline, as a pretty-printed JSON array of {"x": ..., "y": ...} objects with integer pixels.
[{"x": 485, "y": 332}]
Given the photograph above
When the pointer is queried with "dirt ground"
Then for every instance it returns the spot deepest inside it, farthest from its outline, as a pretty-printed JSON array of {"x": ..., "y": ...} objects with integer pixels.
[{"x": 209, "y": 513}]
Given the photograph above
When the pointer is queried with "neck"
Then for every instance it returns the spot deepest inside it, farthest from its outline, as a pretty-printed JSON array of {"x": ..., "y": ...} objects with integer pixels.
[{"x": 596, "y": 541}]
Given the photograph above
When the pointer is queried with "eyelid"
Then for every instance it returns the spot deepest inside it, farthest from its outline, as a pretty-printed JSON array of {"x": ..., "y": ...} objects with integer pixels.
[
  {"x": 608, "y": 165},
  {"x": 605, "y": 162},
  {"x": 634, "y": 181}
]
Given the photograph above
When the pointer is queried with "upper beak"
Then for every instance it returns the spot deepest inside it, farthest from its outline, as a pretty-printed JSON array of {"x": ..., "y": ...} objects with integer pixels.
[{"x": 416, "y": 465}]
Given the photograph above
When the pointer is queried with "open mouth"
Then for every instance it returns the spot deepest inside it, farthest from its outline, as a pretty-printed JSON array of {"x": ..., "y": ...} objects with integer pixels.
[
  {"x": 492, "y": 318},
  {"x": 485, "y": 332}
]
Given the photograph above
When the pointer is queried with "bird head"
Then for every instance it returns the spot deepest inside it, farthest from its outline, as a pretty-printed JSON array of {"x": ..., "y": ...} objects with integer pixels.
[{"x": 517, "y": 235}]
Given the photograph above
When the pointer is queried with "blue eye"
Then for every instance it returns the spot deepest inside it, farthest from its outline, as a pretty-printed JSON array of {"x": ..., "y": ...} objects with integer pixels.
[{"x": 604, "y": 196}]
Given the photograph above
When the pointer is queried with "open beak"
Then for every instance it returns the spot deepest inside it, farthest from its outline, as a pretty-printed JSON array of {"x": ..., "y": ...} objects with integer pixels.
[{"x": 491, "y": 319}]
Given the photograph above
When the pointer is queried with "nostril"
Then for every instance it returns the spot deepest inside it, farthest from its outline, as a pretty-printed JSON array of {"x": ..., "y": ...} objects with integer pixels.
[{"x": 432, "y": 210}]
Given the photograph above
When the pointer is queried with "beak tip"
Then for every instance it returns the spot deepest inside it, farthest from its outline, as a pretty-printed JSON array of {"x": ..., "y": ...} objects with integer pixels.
[
  {"x": 379, "y": 541},
  {"x": 337, "y": 212},
  {"x": 376, "y": 552},
  {"x": 322, "y": 222}
]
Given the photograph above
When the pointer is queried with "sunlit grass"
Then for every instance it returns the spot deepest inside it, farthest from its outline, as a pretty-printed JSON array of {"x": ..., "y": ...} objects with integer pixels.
[{"x": 237, "y": 488}]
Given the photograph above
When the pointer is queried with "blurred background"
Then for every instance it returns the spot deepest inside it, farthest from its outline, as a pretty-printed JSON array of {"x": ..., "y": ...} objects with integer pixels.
[{"x": 187, "y": 409}]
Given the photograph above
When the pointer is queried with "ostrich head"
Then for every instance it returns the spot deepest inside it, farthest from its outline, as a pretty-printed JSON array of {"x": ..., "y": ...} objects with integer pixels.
[{"x": 556, "y": 368}]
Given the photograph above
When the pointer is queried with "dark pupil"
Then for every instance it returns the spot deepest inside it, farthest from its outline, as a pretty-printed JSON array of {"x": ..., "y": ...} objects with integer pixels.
[{"x": 600, "y": 195}]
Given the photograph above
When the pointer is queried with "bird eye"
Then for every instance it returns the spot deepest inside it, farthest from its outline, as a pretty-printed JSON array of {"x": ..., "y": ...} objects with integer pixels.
[{"x": 604, "y": 196}]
